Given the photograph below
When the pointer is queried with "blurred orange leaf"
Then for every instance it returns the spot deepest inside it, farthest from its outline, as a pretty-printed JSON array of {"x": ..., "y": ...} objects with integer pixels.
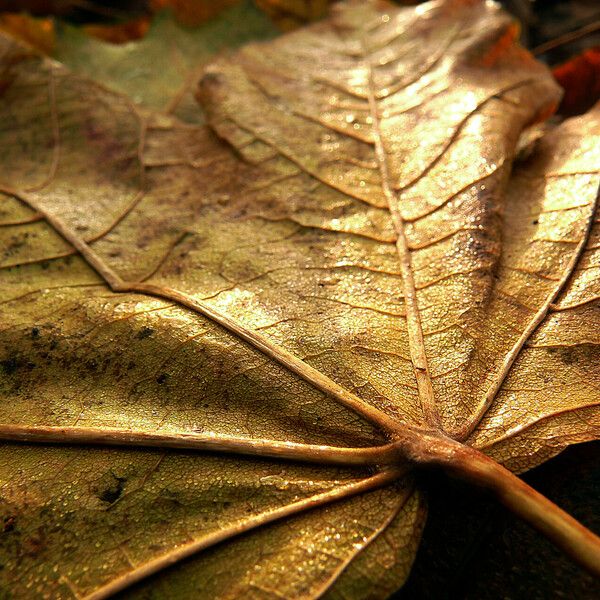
[
  {"x": 580, "y": 78},
  {"x": 193, "y": 12},
  {"x": 38, "y": 33},
  {"x": 121, "y": 32}
]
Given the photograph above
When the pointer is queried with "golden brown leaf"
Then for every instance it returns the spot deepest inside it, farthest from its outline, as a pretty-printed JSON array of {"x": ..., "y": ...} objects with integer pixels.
[
  {"x": 359, "y": 278},
  {"x": 439, "y": 191}
]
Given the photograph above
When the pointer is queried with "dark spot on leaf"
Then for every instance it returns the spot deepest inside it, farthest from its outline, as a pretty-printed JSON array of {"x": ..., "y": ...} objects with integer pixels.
[
  {"x": 161, "y": 378},
  {"x": 34, "y": 545},
  {"x": 144, "y": 333},
  {"x": 568, "y": 355},
  {"x": 211, "y": 79},
  {"x": 35, "y": 333},
  {"x": 91, "y": 365},
  {"x": 9, "y": 523},
  {"x": 114, "y": 491},
  {"x": 10, "y": 365}
]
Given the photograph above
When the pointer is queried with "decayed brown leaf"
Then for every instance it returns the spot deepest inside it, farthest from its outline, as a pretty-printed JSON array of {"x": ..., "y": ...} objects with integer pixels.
[{"x": 359, "y": 288}]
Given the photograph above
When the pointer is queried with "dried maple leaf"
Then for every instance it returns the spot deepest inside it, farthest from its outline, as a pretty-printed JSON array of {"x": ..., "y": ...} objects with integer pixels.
[{"x": 277, "y": 336}]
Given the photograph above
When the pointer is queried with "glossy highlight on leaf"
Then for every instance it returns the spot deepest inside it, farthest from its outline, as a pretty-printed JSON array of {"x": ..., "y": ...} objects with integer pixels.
[{"x": 225, "y": 349}]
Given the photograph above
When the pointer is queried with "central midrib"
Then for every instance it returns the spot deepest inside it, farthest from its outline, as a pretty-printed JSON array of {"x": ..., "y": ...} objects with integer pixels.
[{"x": 413, "y": 318}]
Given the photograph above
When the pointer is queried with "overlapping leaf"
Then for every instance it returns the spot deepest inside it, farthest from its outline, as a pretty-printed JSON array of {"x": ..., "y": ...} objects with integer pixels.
[
  {"x": 161, "y": 70},
  {"x": 366, "y": 222}
]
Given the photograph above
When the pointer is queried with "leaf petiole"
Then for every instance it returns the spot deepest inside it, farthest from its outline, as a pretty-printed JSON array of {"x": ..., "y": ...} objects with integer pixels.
[{"x": 472, "y": 466}]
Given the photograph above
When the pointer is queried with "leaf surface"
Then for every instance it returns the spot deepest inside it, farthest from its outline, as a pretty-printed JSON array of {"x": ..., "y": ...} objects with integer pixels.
[
  {"x": 439, "y": 191},
  {"x": 356, "y": 253}
]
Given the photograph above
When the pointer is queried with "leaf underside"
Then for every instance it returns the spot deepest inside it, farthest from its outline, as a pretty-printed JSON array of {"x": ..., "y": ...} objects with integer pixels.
[{"x": 354, "y": 204}]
